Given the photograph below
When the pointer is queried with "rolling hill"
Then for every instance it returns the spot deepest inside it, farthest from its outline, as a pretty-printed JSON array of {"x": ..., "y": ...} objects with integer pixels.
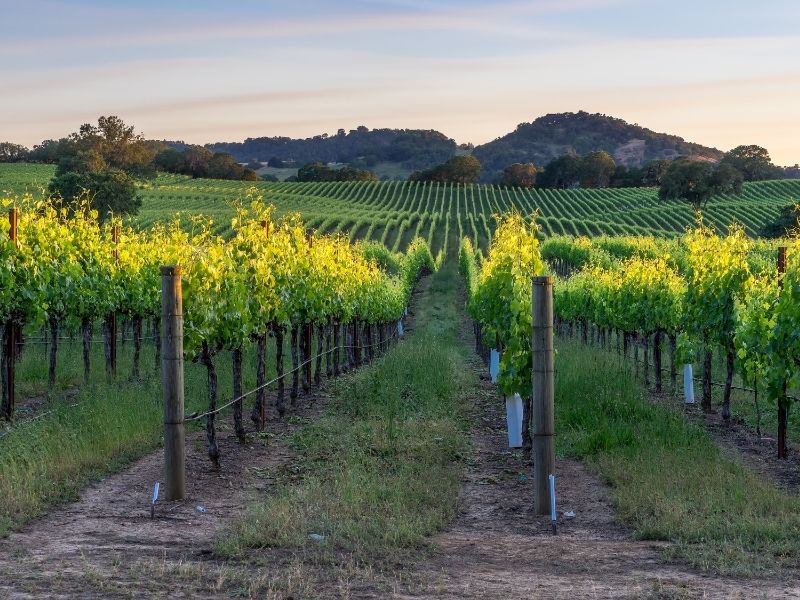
[
  {"x": 554, "y": 135},
  {"x": 394, "y": 153}
]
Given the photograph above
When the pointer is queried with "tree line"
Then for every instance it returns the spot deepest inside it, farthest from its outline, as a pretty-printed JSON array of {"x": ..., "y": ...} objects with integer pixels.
[
  {"x": 683, "y": 178},
  {"x": 103, "y": 163}
]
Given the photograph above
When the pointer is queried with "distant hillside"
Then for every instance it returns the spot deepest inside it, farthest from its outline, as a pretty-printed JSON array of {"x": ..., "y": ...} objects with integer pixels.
[
  {"x": 411, "y": 148},
  {"x": 554, "y": 135}
]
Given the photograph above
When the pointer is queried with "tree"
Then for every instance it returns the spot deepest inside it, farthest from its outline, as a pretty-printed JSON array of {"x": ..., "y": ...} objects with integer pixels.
[
  {"x": 110, "y": 191},
  {"x": 753, "y": 162},
  {"x": 48, "y": 151},
  {"x": 169, "y": 160},
  {"x": 654, "y": 172},
  {"x": 275, "y": 163},
  {"x": 111, "y": 144},
  {"x": 698, "y": 181},
  {"x": 224, "y": 166},
  {"x": 725, "y": 179},
  {"x": 459, "y": 169},
  {"x": 519, "y": 175},
  {"x": 786, "y": 225},
  {"x": 688, "y": 180},
  {"x": 561, "y": 172},
  {"x": 101, "y": 162},
  {"x": 596, "y": 169},
  {"x": 316, "y": 171},
  {"x": 196, "y": 159},
  {"x": 10, "y": 152}
]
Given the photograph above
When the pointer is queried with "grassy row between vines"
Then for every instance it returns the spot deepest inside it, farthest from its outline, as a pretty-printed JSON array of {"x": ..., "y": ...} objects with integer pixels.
[
  {"x": 382, "y": 467},
  {"x": 85, "y": 432},
  {"x": 669, "y": 480}
]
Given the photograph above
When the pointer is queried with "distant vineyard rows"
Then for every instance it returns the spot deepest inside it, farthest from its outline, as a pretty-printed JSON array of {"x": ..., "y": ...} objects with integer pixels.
[{"x": 397, "y": 212}]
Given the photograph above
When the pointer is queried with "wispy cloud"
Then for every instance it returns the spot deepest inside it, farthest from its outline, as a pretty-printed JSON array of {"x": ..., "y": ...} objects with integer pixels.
[
  {"x": 494, "y": 19},
  {"x": 471, "y": 68}
]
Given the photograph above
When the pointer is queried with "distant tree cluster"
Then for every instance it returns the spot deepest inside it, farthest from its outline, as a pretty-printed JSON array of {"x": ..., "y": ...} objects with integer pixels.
[
  {"x": 688, "y": 178},
  {"x": 359, "y": 147},
  {"x": 649, "y": 175},
  {"x": 103, "y": 162},
  {"x": 197, "y": 161},
  {"x": 10, "y": 153},
  {"x": 786, "y": 225},
  {"x": 698, "y": 181},
  {"x": 753, "y": 162},
  {"x": 518, "y": 175},
  {"x": 596, "y": 169},
  {"x": 317, "y": 171},
  {"x": 459, "y": 169}
]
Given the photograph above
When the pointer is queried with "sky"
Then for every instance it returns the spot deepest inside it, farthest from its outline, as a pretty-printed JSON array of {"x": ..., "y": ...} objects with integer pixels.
[{"x": 720, "y": 73}]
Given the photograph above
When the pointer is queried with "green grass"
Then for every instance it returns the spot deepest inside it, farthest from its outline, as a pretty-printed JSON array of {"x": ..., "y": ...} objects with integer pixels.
[
  {"x": 49, "y": 460},
  {"x": 382, "y": 467},
  {"x": 281, "y": 173},
  {"x": 669, "y": 480},
  {"x": 61, "y": 443}
]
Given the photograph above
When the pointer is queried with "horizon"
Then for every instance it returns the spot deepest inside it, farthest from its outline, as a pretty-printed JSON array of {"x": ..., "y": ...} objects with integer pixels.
[{"x": 474, "y": 70}]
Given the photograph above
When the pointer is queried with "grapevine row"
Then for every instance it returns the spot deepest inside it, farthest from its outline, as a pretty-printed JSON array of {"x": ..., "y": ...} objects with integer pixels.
[
  {"x": 705, "y": 292},
  {"x": 271, "y": 278}
]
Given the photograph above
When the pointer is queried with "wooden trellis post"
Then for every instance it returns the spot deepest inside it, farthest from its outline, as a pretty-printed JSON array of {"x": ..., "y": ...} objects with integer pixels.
[
  {"x": 112, "y": 317},
  {"x": 12, "y": 336},
  {"x": 172, "y": 382},
  {"x": 543, "y": 392},
  {"x": 782, "y": 416}
]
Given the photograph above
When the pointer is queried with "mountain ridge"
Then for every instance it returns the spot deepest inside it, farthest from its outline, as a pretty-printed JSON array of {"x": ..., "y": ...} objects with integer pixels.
[
  {"x": 556, "y": 134},
  {"x": 539, "y": 141}
]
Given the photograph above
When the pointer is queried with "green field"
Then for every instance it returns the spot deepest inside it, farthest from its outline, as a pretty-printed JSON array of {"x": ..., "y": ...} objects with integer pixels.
[{"x": 396, "y": 212}]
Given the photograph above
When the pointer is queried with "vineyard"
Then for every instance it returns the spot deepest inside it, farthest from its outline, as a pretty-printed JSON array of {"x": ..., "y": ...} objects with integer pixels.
[
  {"x": 64, "y": 275},
  {"x": 397, "y": 212},
  {"x": 703, "y": 293},
  {"x": 286, "y": 287},
  {"x": 633, "y": 301}
]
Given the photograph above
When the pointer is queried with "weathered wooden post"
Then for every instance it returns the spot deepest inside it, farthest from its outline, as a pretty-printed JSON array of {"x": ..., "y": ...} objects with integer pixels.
[
  {"x": 306, "y": 335},
  {"x": 172, "y": 373},
  {"x": 261, "y": 395},
  {"x": 782, "y": 416},
  {"x": 112, "y": 317},
  {"x": 543, "y": 392},
  {"x": 12, "y": 334},
  {"x": 13, "y": 218}
]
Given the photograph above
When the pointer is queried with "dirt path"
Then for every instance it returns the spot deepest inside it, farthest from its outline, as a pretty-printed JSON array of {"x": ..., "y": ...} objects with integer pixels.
[
  {"x": 106, "y": 544},
  {"x": 499, "y": 549}
]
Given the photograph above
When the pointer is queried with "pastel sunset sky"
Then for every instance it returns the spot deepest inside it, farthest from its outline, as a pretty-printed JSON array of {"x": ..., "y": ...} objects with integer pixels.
[{"x": 720, "y": 73}]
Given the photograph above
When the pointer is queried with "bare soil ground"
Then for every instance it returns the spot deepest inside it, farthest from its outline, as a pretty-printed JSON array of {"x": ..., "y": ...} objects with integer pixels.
[
  {"x": 499, "y": 548},
  {"x": 106, "y": 544}
]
